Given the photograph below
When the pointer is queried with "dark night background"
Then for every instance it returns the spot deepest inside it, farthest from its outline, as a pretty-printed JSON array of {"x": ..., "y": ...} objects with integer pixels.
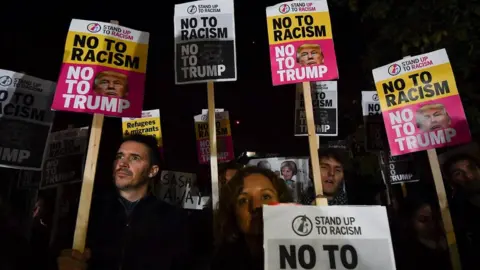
[
  {"x": 33, "y": 42},
  {"x": 367, "y": 34}
]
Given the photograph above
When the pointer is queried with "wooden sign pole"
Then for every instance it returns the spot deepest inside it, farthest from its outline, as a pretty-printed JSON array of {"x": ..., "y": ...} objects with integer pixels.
[
  {"x": 444, "y": 209},
  {"x": 314, "y": 145},
  {"x": 83, "y": 215},
  {"x": 212, "y": 131}
]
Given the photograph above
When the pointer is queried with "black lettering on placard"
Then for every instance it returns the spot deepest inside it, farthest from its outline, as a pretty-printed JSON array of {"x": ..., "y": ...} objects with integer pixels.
[
  {"x": 374, "y": 108},
  {"x": 190, "y": 60},
  {"x": 349, "y": 251},
  {"x": 396, "y": 94},
  {"x": 331, "y": 254},
  {"x": 20, "y": 105},
  {"x": 207, "y": 31},
  {"x": 86, "y": 50},
  {"x": 305, "y": 29},
  {"x": 27, "y": 84},
  {"x": 306, "y": 257},
  {"x": 348, "y": 256},
  {"x": 289, "y": 257}
]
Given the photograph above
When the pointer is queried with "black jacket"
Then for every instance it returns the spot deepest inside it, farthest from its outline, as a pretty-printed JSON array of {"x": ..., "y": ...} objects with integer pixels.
[
  {"x": 235, "y": 256},
  {"x": 153, "y": 236}
]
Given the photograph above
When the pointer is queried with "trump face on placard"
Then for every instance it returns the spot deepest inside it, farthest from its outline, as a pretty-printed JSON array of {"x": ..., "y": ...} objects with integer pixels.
[
  {"x": 111, "y": 83},
  {"x": 432, "y": 117},
  {"x": 309, "y": 54}
]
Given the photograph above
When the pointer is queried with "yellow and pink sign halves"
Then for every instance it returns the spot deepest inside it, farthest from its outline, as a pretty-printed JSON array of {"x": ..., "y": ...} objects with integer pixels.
[
  {"x": 420, "y": 103},
  {"x": 301, "y": 42},
  {"x": 103, "y": 70}
]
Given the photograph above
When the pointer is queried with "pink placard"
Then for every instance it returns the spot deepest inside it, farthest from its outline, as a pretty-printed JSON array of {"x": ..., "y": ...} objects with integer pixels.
[
  {"x": 303, "y": 61},
  {"x": 98, "y": 89},
  {"x": 224, "y": 150},
  {"x": 427, "y": 125}
]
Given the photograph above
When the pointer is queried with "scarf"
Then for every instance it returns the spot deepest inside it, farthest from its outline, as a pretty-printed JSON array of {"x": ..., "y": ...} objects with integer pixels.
[{"x": 339, "y": 199}]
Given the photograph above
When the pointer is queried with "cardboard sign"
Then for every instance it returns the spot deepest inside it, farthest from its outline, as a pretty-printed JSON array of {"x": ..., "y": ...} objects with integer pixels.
[
  {"x": 333, "y": 237},
  {"x": 205, "y": 42}
]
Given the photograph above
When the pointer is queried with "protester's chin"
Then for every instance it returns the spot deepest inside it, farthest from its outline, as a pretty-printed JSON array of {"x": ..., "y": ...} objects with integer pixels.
[{"x": 122, "y": 182}]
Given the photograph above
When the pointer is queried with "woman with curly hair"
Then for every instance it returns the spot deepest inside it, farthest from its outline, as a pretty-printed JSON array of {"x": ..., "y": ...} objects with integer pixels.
[{"x": 239, "y": 239}]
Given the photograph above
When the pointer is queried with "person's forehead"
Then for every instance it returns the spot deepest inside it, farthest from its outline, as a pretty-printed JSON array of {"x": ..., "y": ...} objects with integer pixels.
[
  {"x": 461, "y": 163},
  {"x": 330, "y": 161},
  {"x": 132, "y": 147},
  {"x": 111, "y": 77},
  {"x": 257, "y": 182},
  {"x": 432, "y": 110}
]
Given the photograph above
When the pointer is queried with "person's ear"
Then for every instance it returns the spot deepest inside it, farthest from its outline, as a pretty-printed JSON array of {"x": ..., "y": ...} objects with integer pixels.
[{"x": 153, "y": 171}]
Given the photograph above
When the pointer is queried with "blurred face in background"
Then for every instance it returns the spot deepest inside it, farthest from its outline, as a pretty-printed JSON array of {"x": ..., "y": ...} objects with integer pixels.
[
  {"x": 287, "y": 173},
  {"x": 423, "y": 222},
  {"x": 466, "y": 175},
  {"x": 332, "y": 175}
]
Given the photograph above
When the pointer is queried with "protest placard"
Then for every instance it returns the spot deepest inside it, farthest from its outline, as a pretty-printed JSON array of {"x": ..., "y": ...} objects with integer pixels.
[
  {"x": 103, "y": 70},
  {"x": 65, "y": 157},
  {"x": 149, "y": 124},
  {"x": 375, "y": 136},
  {"x": 179, "y": 188},
  {"x": 398, "y": 169},
  {"x": 28, "y": 179},
  {"x": 334, "y": 237},
  {"x": 325, "y": 110},
  {"x": 25, "y": 119},
  {"x": 224, "y": 138},
  {"x": 205, "y": 42},
  {"x": 301, "y": 42},
  {"x": 420, "y": 103}
]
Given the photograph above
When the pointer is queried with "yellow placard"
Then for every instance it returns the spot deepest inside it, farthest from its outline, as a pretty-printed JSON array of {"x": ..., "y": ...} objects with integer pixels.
[
  {"x": 145, "y": 126},
  {"x": 416, "y": 87},
  {"x": 82, "y": 48},
  {"x": 299, "y": 27},
  {"x": 222, "y": 128}
]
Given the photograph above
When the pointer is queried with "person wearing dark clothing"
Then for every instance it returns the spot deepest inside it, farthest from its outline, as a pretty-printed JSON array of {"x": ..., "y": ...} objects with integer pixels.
[
  {"x": 421, "y": 243},
  {"x": 132, "y": 230},
  {"x": 145, "y": 234},
  {"x": 463, "y": 174},
  {"x": 239, "y": 240},
  {"x": 14, "y": 249}
]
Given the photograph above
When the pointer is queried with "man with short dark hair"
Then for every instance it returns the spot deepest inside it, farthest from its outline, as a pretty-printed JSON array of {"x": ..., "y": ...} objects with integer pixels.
[
  {"x": 133, "y": 230},
  {"x": 332, "y": 169}
]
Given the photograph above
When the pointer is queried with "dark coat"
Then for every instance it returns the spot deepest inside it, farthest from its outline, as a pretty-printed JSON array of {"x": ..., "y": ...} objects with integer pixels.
[
  {"x": 153, "y": 236},
  {"x": 235, "y": 256}
]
